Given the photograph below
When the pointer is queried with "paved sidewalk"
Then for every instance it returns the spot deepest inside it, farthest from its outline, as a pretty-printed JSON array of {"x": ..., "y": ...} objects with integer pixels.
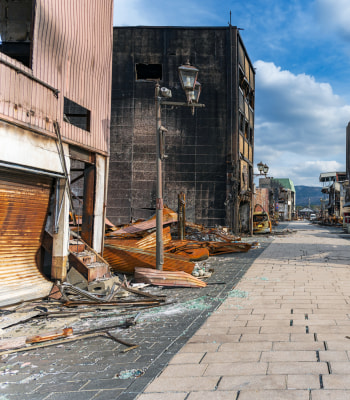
[
  {"x": 98, "y": 368},
  {"x": 280, "y": 335}
]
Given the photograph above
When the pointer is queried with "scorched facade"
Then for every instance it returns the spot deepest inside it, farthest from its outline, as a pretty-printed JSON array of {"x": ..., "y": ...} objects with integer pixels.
[{"x": 210, "y": 154}]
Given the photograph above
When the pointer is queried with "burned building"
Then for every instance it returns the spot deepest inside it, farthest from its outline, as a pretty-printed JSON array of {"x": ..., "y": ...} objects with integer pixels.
[
  {"x": 55, "y": 71},
  {"x": 210, "y": 154},
  {"x": 332, "y": 183},
  {"x": 281, "y": 197}
]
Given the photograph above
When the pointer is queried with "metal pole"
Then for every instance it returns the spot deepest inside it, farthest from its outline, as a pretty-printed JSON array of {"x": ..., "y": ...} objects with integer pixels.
[
  {"x": 181, "y": 215},
  {"x": 159, "y": 194}
]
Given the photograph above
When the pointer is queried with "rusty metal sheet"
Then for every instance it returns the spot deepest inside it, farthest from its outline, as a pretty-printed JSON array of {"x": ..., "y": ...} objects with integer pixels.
[
  {"x": 166, "y": 278},
  {"x": 24, "y": 204},
  {"x": 74, "y": 55},
  {"x": 169, "y": 216},
  {"x": 125, "y": 259}
]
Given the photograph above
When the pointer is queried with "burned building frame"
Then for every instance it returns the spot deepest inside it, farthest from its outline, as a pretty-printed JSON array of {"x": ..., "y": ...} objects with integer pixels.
[
  {"x": 54, "y": 130},
  {"x": 210, "y": 155}
]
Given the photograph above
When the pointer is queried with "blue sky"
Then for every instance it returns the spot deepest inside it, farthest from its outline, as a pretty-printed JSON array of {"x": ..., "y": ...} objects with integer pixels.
[{"x": 301, "y": 52}]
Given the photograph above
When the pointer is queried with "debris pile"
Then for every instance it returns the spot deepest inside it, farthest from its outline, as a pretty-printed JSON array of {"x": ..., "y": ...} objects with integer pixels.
[
  {"x": 97, "y": 288},
  {"x": 134, "y": 246}
]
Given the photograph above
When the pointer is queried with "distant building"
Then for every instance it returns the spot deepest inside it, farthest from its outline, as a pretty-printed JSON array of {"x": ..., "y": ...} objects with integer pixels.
[
  {"x": 333, "y": 187},
  {"x": 262, "y": 199},
  {"x": 55, "y": 69},
  {"x": 282, "y": 197},
  {"x": 210, "y": 154},
  {"x": 347, "y": 183}
]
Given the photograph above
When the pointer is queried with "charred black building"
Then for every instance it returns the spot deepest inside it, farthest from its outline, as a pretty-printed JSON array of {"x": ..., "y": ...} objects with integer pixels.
[{"x": 210, "y": 154}]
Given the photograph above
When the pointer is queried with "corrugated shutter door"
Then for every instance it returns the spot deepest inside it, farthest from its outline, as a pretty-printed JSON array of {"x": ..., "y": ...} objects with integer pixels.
[{"x": 24, "y": 202}]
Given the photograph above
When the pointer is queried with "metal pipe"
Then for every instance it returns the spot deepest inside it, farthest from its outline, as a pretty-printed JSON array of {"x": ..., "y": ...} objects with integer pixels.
[
  {"x": 181, "y": 215},
  {"x": 159, "y": 194},
  {"x": 32, "y": 170},
  {"x": 181, "y": 104},
  {"x": 30, "y": 76}
]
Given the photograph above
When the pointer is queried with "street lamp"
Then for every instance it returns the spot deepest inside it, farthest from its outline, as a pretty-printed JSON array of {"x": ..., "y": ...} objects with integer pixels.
[
  {"x": 188, "y": 78},
  {"x": 263, "y": 168}
]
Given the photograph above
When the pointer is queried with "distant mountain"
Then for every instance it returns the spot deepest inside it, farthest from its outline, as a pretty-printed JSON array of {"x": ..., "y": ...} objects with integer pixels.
[{"x": 304, "y": 193}]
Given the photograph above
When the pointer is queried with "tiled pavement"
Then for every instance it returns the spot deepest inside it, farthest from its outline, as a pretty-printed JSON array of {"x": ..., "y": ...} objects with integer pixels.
[
  {"x": 281, "y": 334},
  {"x": 90, "y": 369}
]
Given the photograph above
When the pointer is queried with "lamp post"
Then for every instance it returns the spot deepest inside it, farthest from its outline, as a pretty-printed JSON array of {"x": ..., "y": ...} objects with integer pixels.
[
  {"x": 263, "y": 168},
  {"x": 188, "y": 78}
]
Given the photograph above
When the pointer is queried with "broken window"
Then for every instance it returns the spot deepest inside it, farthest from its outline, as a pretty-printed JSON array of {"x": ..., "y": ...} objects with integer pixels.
[
  {"x": 241, "y": 100},
  {"x": 76, "y": 114},
  {"x": 243, "y": 83},
  {"x": 16, "y": 29},
  {"x": 246, "y": 129},
  {"x": 149, "y": 72},
  {"x": 241, "y": 122},
  {"x": 251, "y": 98},
  {"x": 251, "y": 134}
]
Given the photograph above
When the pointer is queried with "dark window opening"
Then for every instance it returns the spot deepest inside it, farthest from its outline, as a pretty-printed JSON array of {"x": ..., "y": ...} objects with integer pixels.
[
  {"x": 246, "y": 129},
  {"x": 243, "y": 83},
  {"x": 251, "y": 98},
  {"x": 260, "y": 217},
  {"x": 76, "y": 115},
  {"x": 250, "y": 177},
  {"x": 251, "y": 135},
  {"x": 83, "y": 177},
  {"x": 149, "y": 72},
  {"x": 241, "y": 122},
  {"x": 16, "y": 23}
]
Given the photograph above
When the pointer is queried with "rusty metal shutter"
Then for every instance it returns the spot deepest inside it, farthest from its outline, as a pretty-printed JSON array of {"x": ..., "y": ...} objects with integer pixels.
[{"x": 24, "y": 202}]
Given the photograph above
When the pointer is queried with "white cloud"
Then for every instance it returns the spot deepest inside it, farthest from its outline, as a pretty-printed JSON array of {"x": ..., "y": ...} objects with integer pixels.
[
  {"x": 300, "y": 124},
  {"x": 335, "y": 14}
]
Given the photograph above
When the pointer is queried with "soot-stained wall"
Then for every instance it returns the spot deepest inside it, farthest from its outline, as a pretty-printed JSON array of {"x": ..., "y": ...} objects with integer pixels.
[{"x": 196, "y": 146}]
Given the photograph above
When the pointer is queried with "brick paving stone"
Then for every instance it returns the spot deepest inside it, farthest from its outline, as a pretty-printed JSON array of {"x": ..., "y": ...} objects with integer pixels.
[
  {"x": 298, "y": 346},
  {"x": 343, "y": 344},
  {"x": 283, "y": 329},
  {"x": 199, "y": 347},
  {"x": 244, "y": 382},
  {"x": 336, "y": 381},
  {"x": 185, "y": 370},
  {"x": 215, "y": 339},
  {"x": 274, "y": 395},
  {"x": 333, "y": 356},
  {"x": 249, "y": 346},
  {"x": 303, "y": 337},
  {"x": 187, "y": 384},
  {"x": 213, "y": 395},
  {"x": 187, "y": 358},
  {"x": 231, "y": 357},
  {"x": 330, "y": 394},
  {"x": 265, "y": 337},
  {"x": 240, "y": 330},
  {"x": 339, "y": 367},
  {"x": 303, "y": 381},
  {"x": 273, "y": 356},
  {"x": 295, "y": 367},
  {"x": 238, "y": 368},
  {"x": 161, "y": 396},
  {"x": 222, "y": 330}
]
